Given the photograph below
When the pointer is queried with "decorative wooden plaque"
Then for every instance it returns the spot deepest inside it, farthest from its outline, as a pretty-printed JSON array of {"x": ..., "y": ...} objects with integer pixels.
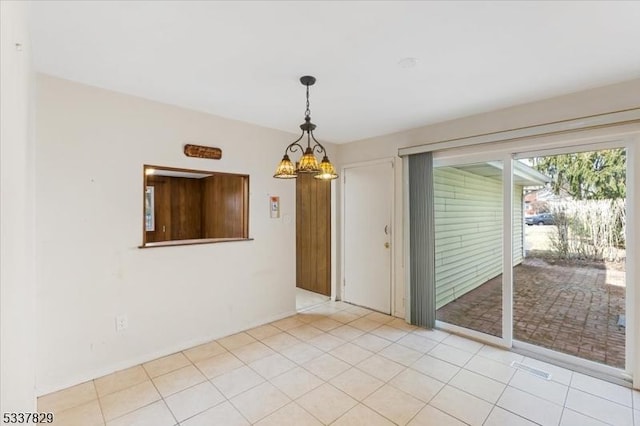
[{"x": 200, "y": 151}]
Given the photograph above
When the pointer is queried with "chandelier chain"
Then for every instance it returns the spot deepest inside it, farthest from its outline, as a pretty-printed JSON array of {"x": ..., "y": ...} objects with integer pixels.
[{"x": 307, "y": 113}]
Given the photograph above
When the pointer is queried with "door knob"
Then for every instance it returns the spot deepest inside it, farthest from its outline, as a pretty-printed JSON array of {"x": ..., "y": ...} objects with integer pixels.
[{"x": 386, "y": 245}]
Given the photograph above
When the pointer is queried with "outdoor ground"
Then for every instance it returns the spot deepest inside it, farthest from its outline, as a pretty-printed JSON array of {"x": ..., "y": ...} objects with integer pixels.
[{"x": 565, "y": 306}]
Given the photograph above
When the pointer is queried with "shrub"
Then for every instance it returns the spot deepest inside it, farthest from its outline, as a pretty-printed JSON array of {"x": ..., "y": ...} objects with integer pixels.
[{"x": 589, "y": 229}]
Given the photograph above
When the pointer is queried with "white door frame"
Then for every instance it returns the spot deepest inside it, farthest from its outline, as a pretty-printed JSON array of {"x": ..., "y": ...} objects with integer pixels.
[
  {"x": 443, "y": 159},
  {"x": 588, "y": 140},
  {"x": 385, "y": 160},
  {"x": 631, "y": 311}
]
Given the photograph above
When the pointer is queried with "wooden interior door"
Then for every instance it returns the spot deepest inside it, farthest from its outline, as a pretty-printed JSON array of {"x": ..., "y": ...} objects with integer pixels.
[
  {"x": 313, "y": 234},
  {"x": 224, "y": 209},
  {"x": 186, "y": 211}
]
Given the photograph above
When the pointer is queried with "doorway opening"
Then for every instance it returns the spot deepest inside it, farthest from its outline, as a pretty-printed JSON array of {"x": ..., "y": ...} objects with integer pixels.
[
  {"x": 313, "y": 234},
  {"x": 306, "y": 299}
]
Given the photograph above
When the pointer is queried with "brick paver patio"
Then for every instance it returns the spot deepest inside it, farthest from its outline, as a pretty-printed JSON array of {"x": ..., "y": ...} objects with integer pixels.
[{"x": 570, "y": 309}]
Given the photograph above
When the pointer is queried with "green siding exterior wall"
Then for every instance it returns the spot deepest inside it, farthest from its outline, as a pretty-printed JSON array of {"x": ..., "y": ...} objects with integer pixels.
[{"x": 468, "y": 231}]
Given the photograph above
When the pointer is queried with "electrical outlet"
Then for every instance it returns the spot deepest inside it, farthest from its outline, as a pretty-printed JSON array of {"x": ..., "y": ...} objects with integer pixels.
[{"x": 122, "y": 323}]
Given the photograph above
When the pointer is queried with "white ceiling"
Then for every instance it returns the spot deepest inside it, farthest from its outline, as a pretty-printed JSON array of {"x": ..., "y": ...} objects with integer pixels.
[{"x": 242, "y": 59}]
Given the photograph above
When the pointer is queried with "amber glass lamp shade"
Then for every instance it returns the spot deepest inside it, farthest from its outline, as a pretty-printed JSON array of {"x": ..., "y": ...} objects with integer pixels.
[
  {"x": 327, "y": 171},
  {"x": 286, "y": 169},
  {"x": 308, "y": 162}
]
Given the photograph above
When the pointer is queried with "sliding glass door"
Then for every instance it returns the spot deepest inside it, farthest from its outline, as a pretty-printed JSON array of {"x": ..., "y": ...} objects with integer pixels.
[
  {"x": 469, "y": 233},
  {"x": 570, "y": 280},
  {"x": 530, "y": 251}
]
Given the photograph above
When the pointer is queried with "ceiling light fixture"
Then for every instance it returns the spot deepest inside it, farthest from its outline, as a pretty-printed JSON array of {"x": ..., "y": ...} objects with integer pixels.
[
  {"x": 308, "y": 163},
  {"x": 409, "y": 62}
]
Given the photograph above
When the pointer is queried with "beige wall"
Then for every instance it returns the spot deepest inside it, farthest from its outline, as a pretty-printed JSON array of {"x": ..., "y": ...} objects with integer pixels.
[
  {"x": 91, "y": 147},
  {"x": 17, "y": 284}
]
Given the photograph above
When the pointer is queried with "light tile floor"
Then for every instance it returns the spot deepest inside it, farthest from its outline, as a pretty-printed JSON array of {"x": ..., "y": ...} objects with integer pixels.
[
  {"x": 340, "y": 364},
  {"x": 307, "y": 299}
]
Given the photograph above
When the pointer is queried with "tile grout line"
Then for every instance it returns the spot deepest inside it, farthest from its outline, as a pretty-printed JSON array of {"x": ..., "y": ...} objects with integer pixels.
[
  {"x": 159, "y": 393},
  {"x": 493, "y": 405},
  {"x": 95, "y": 389},
  {"x": 139, "y": 408},
  {"x": 163, "y": 398}
]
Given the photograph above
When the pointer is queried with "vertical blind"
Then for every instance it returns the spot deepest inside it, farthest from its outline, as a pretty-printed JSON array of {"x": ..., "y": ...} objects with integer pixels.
[{"x": 421, "y": 241}]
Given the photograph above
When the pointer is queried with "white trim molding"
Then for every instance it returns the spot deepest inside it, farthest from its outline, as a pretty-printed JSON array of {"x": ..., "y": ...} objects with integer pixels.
[{"x": 583, "y": 123}]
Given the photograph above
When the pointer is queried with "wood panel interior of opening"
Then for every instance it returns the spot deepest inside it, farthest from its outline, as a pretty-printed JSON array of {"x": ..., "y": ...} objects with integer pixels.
[
  {"x": 192, "y": 207},
  {"x": 313, "y": 234}
]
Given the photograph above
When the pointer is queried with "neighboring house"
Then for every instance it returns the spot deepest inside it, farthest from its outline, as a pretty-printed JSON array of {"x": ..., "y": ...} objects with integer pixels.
[
  {"x": 468, "y": 224},
  {"x": 536, "y": 199}
]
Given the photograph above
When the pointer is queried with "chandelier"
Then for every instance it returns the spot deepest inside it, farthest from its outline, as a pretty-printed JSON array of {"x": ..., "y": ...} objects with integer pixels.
[{"x": 308, "y": 163}]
